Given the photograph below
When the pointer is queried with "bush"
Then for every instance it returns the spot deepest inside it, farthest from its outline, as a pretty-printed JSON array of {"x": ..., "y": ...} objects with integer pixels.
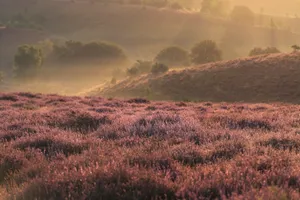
[
  {"x": 205, "y": 52},
  {"x": 140, "y": 67},
  {"x": 27, "y": 60},
  {"x": 260, "y": 51},
  {"x": 173, "y": 56},
  {"x": 159, "y": 68}
]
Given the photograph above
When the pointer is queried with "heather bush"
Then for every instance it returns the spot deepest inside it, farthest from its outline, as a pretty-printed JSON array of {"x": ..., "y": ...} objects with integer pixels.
[
  {"x": 83, "y": 122},
  {"x": 138, "y": 100},
  {"x": 10, "y": 162},
  {"x": 50, "y": 146},
  {"x": 282, "y": 144},
  {"x": 187, "y": 154}
]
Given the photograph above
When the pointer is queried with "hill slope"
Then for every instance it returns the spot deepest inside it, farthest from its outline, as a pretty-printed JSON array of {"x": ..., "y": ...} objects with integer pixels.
[{"x": 264, "y": 78}]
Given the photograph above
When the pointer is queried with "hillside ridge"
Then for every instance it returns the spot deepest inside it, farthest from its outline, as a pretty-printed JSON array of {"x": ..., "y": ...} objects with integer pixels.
[{"x": 266, "y": 78}]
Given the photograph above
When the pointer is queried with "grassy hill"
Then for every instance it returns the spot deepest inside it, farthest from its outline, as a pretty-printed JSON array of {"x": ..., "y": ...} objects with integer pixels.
[
  {"x": 266, "y": 78},
  {"x": 55, "y": 147}
]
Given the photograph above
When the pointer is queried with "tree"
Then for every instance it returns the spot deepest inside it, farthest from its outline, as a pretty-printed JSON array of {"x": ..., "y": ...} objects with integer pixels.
[
  {"x": 159, "y": 68},
  {"x": 295, "y": 47},
  {"x": 1, "y": 77},
  {"x": 205, "y": 52},
  {"x": 173, "y": 56},
  {"x": 242, "y": 15},
  {"x": 260, "y": 51},
  {"x": 27, "y": 60},
  {"x": 214, "y": 7}
]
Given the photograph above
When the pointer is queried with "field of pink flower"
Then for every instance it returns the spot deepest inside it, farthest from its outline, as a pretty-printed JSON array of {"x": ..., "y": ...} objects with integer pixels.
[{"x": 54, "y": 147}]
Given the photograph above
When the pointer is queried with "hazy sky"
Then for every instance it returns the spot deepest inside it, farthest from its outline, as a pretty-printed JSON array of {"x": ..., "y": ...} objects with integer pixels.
[{"x": 277, "y": 7}]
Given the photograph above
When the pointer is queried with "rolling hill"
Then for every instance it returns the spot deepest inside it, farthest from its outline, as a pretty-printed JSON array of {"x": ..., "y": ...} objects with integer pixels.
[{"x": 267, "y": 78}]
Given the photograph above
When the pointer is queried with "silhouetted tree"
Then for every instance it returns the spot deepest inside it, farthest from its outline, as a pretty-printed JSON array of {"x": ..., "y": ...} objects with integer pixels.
[
  {"x": 205, "y": 52},
  {"x": 214, "y": 7},
  {"x": 100, "y": 52},
  {"x": 295, "y": 47},
  {"x": 28, "y": 60},
  {"x": 242, "y": 15},
  {"x": 173, "y": 56}
]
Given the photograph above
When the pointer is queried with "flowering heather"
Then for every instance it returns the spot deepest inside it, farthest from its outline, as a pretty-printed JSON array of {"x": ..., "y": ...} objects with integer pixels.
[{"x": 55, "y": 147}]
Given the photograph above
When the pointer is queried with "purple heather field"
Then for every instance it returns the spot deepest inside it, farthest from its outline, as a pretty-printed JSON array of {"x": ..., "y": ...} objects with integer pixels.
[{"x": 55, "y": 147}]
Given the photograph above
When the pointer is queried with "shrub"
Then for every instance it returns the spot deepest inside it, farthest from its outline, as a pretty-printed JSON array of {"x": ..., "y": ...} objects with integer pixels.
[
  {"x": 259, "y": 51},
  {"x": 205, "y": 52},
  {"x": 173, "y": 56},
  {"x": 28, "y": 60},
  {"x": 159, "y": 68}
]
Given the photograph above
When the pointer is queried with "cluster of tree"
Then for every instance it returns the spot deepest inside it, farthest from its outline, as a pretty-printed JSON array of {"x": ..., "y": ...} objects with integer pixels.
[
  {"x": 203, "y": 52},
  {"x": 25, "y": 21},
  {"x": 153, "y": 3},
  {"x": 144, "y": 67},
  {"x": 72, "y": 52},
  {"x": 29, "y": 58},
  {"x": 260, "y": 51}
]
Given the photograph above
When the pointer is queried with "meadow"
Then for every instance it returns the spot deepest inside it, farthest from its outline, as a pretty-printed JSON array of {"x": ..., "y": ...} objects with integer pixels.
[{"x": 58, "y": 147}]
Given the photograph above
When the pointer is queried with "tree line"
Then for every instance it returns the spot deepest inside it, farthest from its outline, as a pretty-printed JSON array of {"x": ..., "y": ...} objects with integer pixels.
[{"x": 29, "y": 59}]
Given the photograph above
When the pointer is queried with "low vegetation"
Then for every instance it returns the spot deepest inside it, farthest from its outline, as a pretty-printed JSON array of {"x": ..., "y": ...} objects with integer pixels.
[
  {"x": 95, "y": 148},
  {"x": 260, "y": 51}
]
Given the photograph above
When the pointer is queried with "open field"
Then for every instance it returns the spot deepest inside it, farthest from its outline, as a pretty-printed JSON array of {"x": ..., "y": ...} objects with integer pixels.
[{"x": 55, "y": 147}]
